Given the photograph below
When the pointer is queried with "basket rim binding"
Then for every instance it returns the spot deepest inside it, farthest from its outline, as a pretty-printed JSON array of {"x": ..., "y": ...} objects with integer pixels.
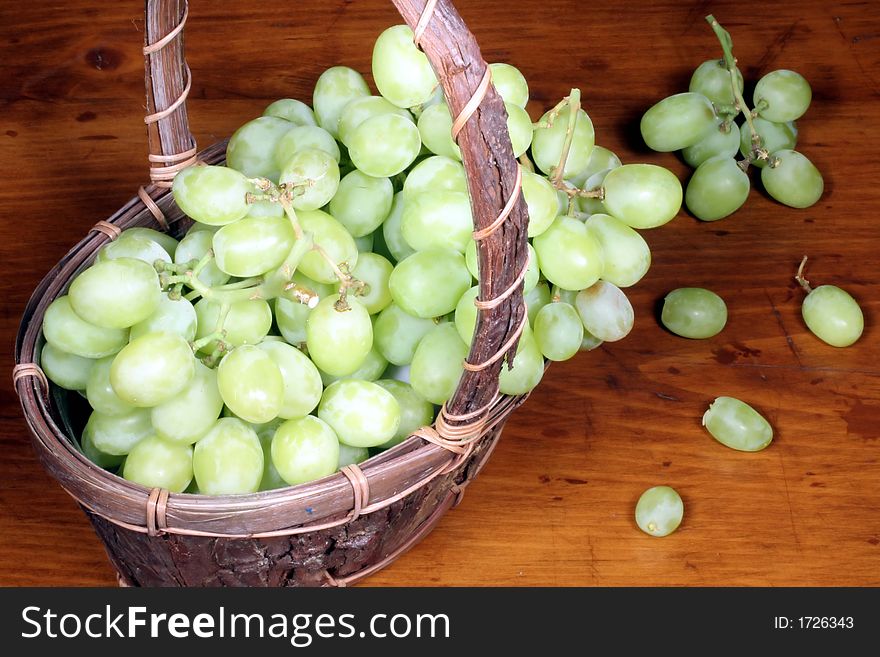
[{"x": 341, "y": 497}]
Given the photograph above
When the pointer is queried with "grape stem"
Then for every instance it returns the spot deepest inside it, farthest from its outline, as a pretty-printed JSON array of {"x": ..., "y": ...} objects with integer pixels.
[
  {"x": 574, "y": 106},
  {"x": 803, "y": 282}
]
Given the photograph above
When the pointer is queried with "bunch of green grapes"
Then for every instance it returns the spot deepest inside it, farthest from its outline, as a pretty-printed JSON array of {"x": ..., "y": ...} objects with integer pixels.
[
  {"x": 321, "y": 305},
  {"x": 702, "y": 124}
]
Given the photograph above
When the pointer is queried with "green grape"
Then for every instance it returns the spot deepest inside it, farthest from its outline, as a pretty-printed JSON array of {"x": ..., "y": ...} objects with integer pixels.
[
  {"x": 190, "y": 415},
  {"x": 717, "y": 189},
  {"x": 712, "y": 80},
  {"x": 642, "y": 195},
  {"x": 247, "y": 322},
  {"x": 384, "y": 145},
  {"x": 331, "y": 236},
  {"x": 590, "y": 205},
  {"x": 194, "y": 247},
  {"x": 601, "y": 159},
  {"x": 100, "y": 393},
  {"x": 133, "y": 246},
  {"x": 271, "y": 479},
  {"x": 375, "y": 271},
  {"x": 290, "y": 109},
  {"x": 371, "y": 369},
  {"x": 792, "y": 179},
  {"x": 737, "y": 425},
  {"x": 392, "y": 230},
  {"x": 533, "y": 273},
  {"x": 440, "y": 219},
  {"x": 401, "y": 71},
  {"x": 68, "y": 371},
  {"x": 625, "y": 254},
  {"x": 716, "y": 142},
  {"x": 212, "y": 195},
  {"x": 833, "y": 315},
  {"x": 299, "y": 376},
  {"x": 158, "y": 463},
  {"x": 559, "y": 331},
  {"x": 172, "y": 316},
  {"x": 397, "y": 334},
  {"x": 305, "y": 449},
  {"x": 570, "y": 256},
  {"x": 361, "y": 413},
  {"x": 360, "y": 109},
  {"x": 339, "y": 341},
  {"x": 782, "y": 96},
  {"x": 694, "y": 312},
  {"x": 590, "y": 342},
  {"x": 251, "y": 384},
  {"x": 162, "y": 239},
  {"x": 229, "y": 459},
  {"x": 677, "y": 122},
  {"x": 117, "y": 434},
  {"x": 519, "y": 127},
  {"x": 659, "y": 511},
  {"x": 541, "y": 200},
  {"x": 116, "y": 293},
  {"x": 362, "y": 202},
  {"x": 437, "y": 363},
  {"x": 558, "y": 294},
  {"x": 352, "y": 455},
  {"x": 251, "y": 148},
  {"x": 316, "y": 173},
  {"x": 527, "y": 370},
  {"x": 605, "y": 311},
  {"x": 536, "y": 299},
  {"x": 152, "y": 369},
  {"x": 398, "y": 373},
  {"x": 66, "y": 331},
  {"x": 415, "y": 410},
  {"x": 466, "y": 314},
  {"x": 774, "y": 137},
  {"x": 471, "y": 259},
  {"x": 96, "y": 456},
  {"x": 265, "y": 209},
  {"x": 336, "y": 87},
  {"x": 435, "y": 129},
  {"x": 253, "y": 245},
  {"x": 305, "y": 138},
  {"x": 547, "y": 144},
  {"x": 435, "y": 174},
  {"x": 429, "y": 283},
  {"x": 510, "y": 84},
  {"x": 365, "y": 243}
]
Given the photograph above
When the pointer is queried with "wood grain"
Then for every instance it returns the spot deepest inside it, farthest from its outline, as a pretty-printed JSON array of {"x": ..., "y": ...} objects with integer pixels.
[{"x": 554, "y": 504}]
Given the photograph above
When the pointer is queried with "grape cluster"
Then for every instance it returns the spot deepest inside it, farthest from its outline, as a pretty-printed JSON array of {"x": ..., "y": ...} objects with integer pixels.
[
  {"x": 701, "y": 123},
  {"x": 322, "y": 303}
]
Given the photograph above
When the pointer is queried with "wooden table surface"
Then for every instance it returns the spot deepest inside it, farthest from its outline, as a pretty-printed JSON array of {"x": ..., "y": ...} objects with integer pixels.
[{"x": 555, "y": 504}]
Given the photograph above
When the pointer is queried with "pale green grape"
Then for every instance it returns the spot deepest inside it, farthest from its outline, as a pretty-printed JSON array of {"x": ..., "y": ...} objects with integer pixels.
[
  {"x": 398, "y": 373},
  {"x": 782, "y": 96},
  {"x": 271, "y": 479},
  {"x": 570, "y": 256},
  {"x": 247, "y": 322},
  {"x": 229, "y": 459},
  {"x": 362, "y": 202},
  {"x": 158, "y": 463},
  {"x": 519, "y": 127},
  {"x": 833, "y": 315},
  {"x": 162, "y": 239},
  {"x": 361, "y": 413},
  {"x": 605, "y": 311},
  {"x": 716, "y": 142},
  {"x": 117, "y": 434},
  {"x": 336, "y": 87},
  {"x": 265, "y": 209},
  {"x": 152, "y": 369},
  {"x": 717, "y": 189},
  {"x": 429, "y": 283},
  {"x": 251, "y": 384},
  {"x": 435, "y": 129},
  {"x": 365, "y": 243},
  {"x": 100, "y": 393},
  {"x": 527, "y": 370},
  {"x": 392, "y": 230},
  {"x": 590, "y": 342},
  {"x": 642, "y": 195},
  {"x": 547, "y": 144},
  {"x": 212, "y": 195},
  {"x": 659, "y": 511},
  {"x": 371, "y": 369},
  {"x": 792, "y": 179},
  {"x": 116, "y": 293},
  {"x": 415, "y": 410},
  {"x": 601, "y": 159},
  {"x": 352, "y": 455},
  {"x": 471, "y": 259},
  {"x": 305, "y": 449},
  {"x": 466, "y": 314},
  {"x": 435, "y": 174},
  {"x": 194, "y": 247},
  {"x": 375, "y": 271},
  {"x": 712, "y": 80},
  {"x": 625, "y": 254},
  {"x": 440, "y": 219},
  {"x": 437, "y": 363},
  {"x": 737, "y": 425},
  {"x": 397, "y": 334},
  {"x": 774, "y": 137},
  {"x": 536, "y": 299},
  {"x": 510, "y": 84},
  {"x": 541, "y": 200},
  {"x": 401, "y": 71},
  {"x": 290, "y": 109},
  {"x": 67, "y": 331},
  {"x": 190, "y": 415},
  {"x": 251, "y": 148},
  {"x": 96, "y": 456},
  {"x": 291, "y": 315},
  {"x": 172, "y": 316},
  {"x": 590, "y": 205},
  {"x": 694, "y": 312},
  {"x": 559, "y": 331},
  {"x": 360, "y": 109},
  {"x": 68, "y": 371},
  {"x": 558, "y": 294},
  {"x": 384, "y": 145},
  {"x": 314, "y": 172},
  {"x": 331, "y": 236},
  {"x": 253, "y": 245},
  {"x": 133, "y": 246},
  {"x": 305, "y": 138},
  {"x": 339, "y": 341},
  {"x": 299, "y": 376},
  {"x": 677, "y": 122}
]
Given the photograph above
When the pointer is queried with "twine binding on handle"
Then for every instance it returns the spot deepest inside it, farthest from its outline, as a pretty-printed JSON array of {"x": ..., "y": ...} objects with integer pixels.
[
  {"x": 106, "y": 228},
  {"x": 25, "y": 370},
  {"x": 154, "y": 209},
  {"x": 424, "y": 19}
]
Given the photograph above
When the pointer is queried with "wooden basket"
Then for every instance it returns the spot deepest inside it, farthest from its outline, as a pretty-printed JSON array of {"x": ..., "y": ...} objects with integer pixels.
[{"x": 339, "y": 529}]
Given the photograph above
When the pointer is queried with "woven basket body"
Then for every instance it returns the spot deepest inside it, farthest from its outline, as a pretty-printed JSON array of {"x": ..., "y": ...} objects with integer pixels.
[{"x": 341, "y": 528}]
